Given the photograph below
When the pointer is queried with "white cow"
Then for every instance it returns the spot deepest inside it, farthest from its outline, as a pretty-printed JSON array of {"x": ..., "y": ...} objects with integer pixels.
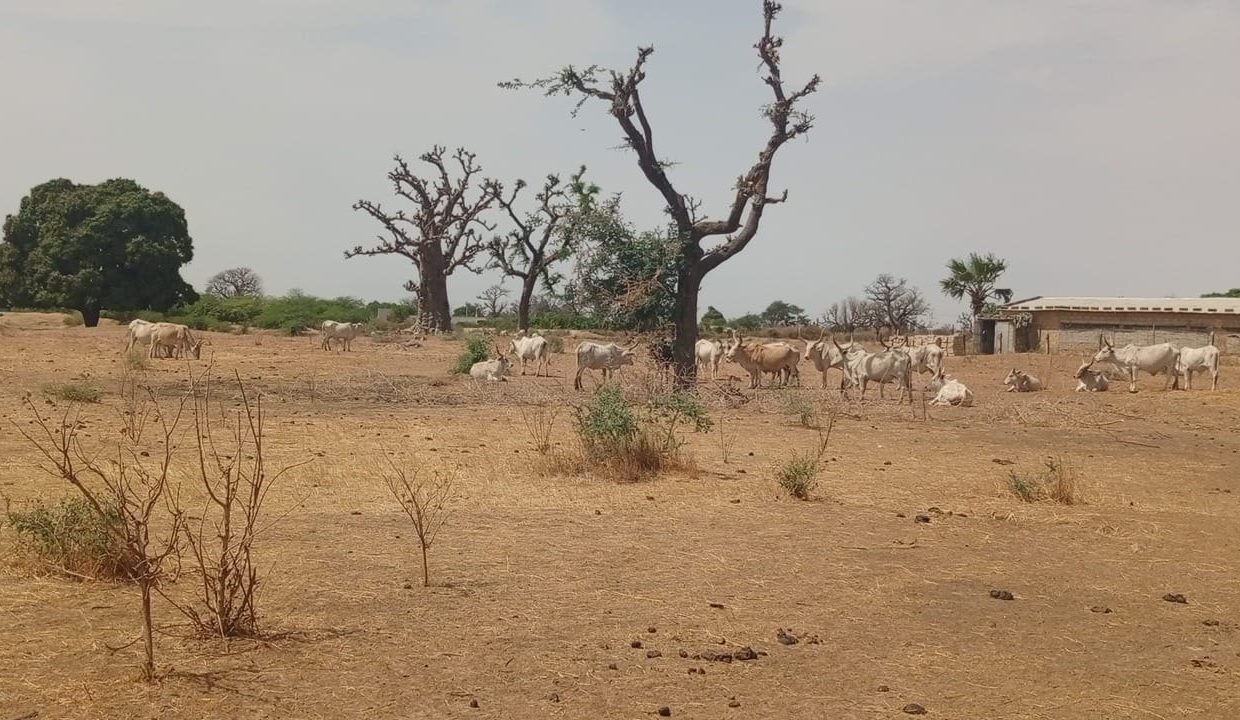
[
  {"x": 607, "y": 357},
  {"x": 491, "y": 370},
  {"x": 881, "y": 367},
  {"x": 173, "y": 340},
  {"x": 533, "y": 347},
  {"x": 1153, "y": 359},
  {"x": 1088, "y": 380},
  {"x": 1194, "y": 359},
  {"x": 927, "y": 358},
  {"x": 1021, "y": 381},
  {"x": 709, "y": 354},
  {"x": 825, "y": 356},
  {"x": 139, "y": 333},
  {"x": 949, "y": 391},
  {"x": 342, "y": 331}
]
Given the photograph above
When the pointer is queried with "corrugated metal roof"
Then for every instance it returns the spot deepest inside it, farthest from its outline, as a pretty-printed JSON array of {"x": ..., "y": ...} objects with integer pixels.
[{"x": 1214, "y": 306}]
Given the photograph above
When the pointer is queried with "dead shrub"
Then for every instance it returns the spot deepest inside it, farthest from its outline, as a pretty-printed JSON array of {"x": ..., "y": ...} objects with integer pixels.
[
  {"x": 539, "y": 423},
  {"x": 128, "y": 492},
  {"x": 795, "y": 404},
  {"x": 1058, "y": 482},
  {"x": 424, "y": 500},
  {"x": 74, "y": 391},
  {"x": 231, "y": 469}
]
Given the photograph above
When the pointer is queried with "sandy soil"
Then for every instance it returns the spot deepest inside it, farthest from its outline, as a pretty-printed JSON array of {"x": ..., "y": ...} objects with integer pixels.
[{"x": 541, "y": 584}]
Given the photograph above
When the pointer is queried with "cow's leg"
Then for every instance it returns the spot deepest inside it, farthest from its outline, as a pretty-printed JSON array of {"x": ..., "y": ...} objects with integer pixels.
[
  {"x": 577, "y": 379},
  {"x": 1214, "y": 378},
  {"x": 1132, "y": 379}
]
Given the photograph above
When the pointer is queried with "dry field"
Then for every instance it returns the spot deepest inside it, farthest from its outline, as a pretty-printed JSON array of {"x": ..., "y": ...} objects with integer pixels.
[{"x": 541, "y": 584}]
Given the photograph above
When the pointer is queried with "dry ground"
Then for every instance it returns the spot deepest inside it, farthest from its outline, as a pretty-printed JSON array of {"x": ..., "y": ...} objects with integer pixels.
[{"x": 542, "y": 583}]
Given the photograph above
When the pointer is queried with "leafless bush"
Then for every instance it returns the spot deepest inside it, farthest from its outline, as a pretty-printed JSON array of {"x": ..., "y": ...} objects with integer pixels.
[
  {"x": 231, "y": 468},
  {"x": 425, "y": 501},
  {"x": 1058, "y": 482},
  {"x": 130, "y": 491},
  {"x": 540, "y": 422}
]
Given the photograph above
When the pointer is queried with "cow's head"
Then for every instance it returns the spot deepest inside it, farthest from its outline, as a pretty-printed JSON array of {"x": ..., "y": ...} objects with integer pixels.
[
  {"x": 1013, "y": 377},
  {"x": 1083, "y": 369},
  {"x": 937, "y": 382},
  {"x": 1106, "y": 353}
]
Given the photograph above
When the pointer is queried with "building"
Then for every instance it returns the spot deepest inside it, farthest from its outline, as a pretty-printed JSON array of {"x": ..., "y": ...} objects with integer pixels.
[{"x": 1049, "y": 324}]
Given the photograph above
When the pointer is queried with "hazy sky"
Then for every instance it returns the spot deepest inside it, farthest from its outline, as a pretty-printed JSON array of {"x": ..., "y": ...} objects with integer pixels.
[{"x": 1093, "y": 143}]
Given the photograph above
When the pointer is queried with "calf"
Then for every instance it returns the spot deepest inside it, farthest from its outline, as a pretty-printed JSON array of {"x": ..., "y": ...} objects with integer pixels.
[
  {"x": 1194, "y": 359},
  {"x": 1020, "y": 381},
  {"x": 1088, "y": 380},
  {"x": 491, "y": 370}
]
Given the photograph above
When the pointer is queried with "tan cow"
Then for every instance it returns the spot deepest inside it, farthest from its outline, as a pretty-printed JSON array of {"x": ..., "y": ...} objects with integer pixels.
[{"x": 779, "y": 359}]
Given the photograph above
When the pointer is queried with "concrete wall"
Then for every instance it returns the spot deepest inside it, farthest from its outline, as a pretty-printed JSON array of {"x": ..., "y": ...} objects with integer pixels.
[{"x": 1076, "y": 331}]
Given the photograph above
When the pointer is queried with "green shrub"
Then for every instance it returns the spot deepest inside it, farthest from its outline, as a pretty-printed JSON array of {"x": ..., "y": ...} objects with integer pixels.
[
  {"x": 667, "y": 412},
  {"x": 607, "y": 425},
  {"x": 71, "y": 536},
  {"x": 475, "y": 352},
  {"x": 82, "y": 391},
  {"x": 799, "y": 474},
  {"x": 1059, "y": 483},
  {"x": 73, "y": 319}
]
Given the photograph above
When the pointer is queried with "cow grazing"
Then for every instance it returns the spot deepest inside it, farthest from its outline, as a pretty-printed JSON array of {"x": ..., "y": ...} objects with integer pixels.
[
  {"x": 1088, "y": 380},
  {"x": 709, "y": 353},
  {"x": 532, "y": 348},
  {"x": 1153, "y": 359},
  {"x": 882, "y": 367},
  {"x": 173, "y": 340},
  {"x": 607, "y": 357},
  {"x": 949, "y": 391},
  {"x": 342, "y": 331},
  {"x": 1194, "y": 359},
  {"x": 491, "y": 370},
  {"x": 778, "y": 358},
  {"x": 1020, "y": 381}
]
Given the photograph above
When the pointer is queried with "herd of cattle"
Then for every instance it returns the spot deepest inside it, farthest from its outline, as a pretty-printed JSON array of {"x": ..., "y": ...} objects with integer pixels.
[{"x": 858, "y": 366}]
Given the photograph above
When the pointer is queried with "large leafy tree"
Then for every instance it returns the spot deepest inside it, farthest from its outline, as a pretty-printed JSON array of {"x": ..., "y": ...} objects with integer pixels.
[
  {"x": 620, "y": 93},
  {"x": 114, "y": 245},
  {"x": 975, "y": 278},
  {"x": 782, "y": 313},
  {"x": 1232, "y": 293}
]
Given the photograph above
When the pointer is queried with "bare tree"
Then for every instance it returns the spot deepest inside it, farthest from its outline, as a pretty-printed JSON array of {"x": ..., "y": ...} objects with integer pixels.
[
  {"x": 235, "y": 282},
  {"x": 492, "y": 299},
  {"x": 425, "y": 502},
  {"x": 222, "y": 535},
  {"x": 536, "y": 241},
  {"x": 895, "y": 305},
  {"x": 620, "y": 93},
  {"x": 846, "y": 315},
  {"x": 130, "y": 491},
  {"x": 442, "y": 233}
]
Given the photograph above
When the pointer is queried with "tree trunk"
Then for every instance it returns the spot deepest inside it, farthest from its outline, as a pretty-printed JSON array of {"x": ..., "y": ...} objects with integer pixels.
[
  {"x": 523, "y": 304},
  {"x": 90, "y": 315},
  {"x": 685, "y": 336},
  {"x": 426, "y": 570},
  {"x": 434, "y": 309}
]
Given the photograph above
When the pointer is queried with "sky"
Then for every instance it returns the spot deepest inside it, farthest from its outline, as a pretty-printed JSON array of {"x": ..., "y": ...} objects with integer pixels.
[{"x": 1094, "y": 144}]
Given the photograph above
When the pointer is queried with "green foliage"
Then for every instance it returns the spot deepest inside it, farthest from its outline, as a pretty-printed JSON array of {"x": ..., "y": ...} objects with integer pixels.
[
  {"x": 782, "y": 313},
  {"x": 71, "y": 536},
  {"x": 476, "y": 351},
  {"x": 606, "y": 425},
  {"x": 1232, "y": 293},
  {"x": 713, "y": 319},
  {"x": 747, "y": 322},
  {"x": 668, "y": 411},
  {"x": 975, "y": 278},
  {"x": 73, "y": 319},
  {"x": 81, "y": 391},
  {"x": 114, "y": 245},
  {"x": 799, "y": 474}
]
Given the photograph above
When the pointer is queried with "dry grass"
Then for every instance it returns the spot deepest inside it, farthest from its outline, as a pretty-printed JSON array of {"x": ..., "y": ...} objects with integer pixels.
[
  {"x": 541, "y": 583},
  {"x": 1058, "y": 482},
  {"x": 74, "y": 391}
]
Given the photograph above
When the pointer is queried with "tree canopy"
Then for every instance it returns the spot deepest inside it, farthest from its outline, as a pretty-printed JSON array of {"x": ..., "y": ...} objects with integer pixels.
[
  {"x": 235, "y": 282},
  {"x": 1232, "y": 293},
  {"x": 975, "y": 278},
  {"x": 114, "y": 245},
  {"x": 782, "y": 313}
]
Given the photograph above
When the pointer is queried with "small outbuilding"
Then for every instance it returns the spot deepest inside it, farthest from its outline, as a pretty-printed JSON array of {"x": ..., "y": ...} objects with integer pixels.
[{"x": 1049, "y": 324}]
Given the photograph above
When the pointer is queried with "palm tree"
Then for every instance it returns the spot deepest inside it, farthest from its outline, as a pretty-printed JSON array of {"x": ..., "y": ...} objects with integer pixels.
[{"x": 975, "y": 277}]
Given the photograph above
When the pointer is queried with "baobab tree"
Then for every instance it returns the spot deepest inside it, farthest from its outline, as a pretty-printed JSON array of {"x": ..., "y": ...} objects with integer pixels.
[
  {"x": 620, "y": 93},
  {"x": 235, "y": 282},
  {"x": 444, "y": 231},
  {"x": 537, "y": 240}
]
